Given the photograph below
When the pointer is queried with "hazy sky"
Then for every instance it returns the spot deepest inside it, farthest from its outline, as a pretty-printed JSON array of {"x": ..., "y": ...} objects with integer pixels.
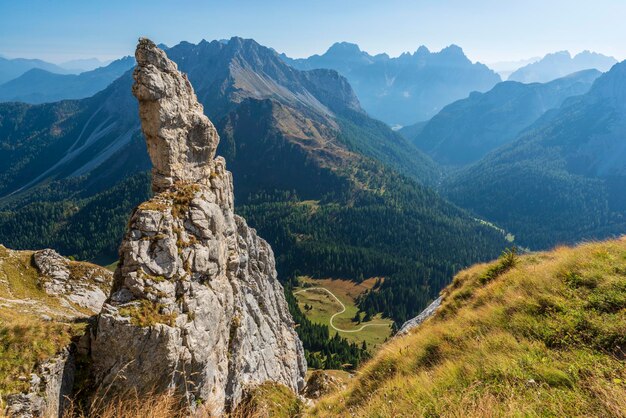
[{"x": 488, "y": 30}]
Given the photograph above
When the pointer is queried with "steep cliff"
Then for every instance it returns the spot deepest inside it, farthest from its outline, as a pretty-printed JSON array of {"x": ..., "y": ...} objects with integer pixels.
[{"x": 195, "y": 307}]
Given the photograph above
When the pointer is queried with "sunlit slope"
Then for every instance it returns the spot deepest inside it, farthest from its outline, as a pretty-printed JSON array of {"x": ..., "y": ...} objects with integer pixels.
[{"x": 535, "y": 335}]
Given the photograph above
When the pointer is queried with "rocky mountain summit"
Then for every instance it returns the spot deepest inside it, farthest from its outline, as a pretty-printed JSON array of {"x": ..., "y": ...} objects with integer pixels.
[{"x": 195, "y": 307}]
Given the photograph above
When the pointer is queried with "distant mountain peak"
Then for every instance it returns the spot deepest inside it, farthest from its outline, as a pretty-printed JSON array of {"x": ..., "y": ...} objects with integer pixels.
[
  {"x": 453, "y": 49},
  {"x": 344, "y": 47},
  {"x": 561, "y": 63},
  {"x": 422, "y": 50},
  {"x": 405, "y": 89}
]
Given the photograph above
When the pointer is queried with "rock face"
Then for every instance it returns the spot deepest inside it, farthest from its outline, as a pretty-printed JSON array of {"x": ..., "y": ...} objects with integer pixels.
[
  {"x": 50, "y": 389},
  {"x": 181, "y": 139},
  {"x": 83, "y": 286},
  {"x": 41, "y": 294},
  {"x": 195, "y": 306},
  {"x": 423, "y": 316}
]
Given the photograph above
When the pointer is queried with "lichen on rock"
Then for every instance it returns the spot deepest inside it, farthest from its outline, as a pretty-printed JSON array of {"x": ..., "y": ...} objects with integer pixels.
[{"x": 196, "y": 306}]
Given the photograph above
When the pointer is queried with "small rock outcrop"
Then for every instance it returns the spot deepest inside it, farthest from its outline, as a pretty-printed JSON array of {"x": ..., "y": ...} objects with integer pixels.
[
  {"x": 196, "y": 307},
  {"x": 77, "y": 282},
  {"x": 50, "y": 389},
  {"x": 43, "y": 294},
  {"x": 423, "y": 316},
  {"x": 322, "y": 383}
]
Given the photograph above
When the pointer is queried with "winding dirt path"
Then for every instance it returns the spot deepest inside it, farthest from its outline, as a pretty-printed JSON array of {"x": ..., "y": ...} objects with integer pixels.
[{"x": 343, "y": 309}]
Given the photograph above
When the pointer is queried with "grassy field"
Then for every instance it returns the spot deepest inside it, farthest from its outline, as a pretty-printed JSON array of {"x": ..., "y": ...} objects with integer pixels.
[
  {"x": 324, "y": 306},
  {"x": 539, "y": 335}
]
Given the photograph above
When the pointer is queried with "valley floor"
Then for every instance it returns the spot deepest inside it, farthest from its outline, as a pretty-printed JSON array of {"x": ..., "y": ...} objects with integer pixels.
[{"x": 333, "y": 303}]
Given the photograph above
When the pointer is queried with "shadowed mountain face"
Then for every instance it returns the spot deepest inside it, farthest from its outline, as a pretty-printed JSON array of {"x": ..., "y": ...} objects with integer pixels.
[
  {"x": 12, "y": 68},
  {"x": 67, "y": 139},
  {"x": 41, "y": 86},
  {"x": 560, "y": 64},
  {"x": 564, "y": 178},
  {"x": 314, "y": 109},
  {"x": 406, "y": 89},
  {"x": 336, "y": 193},
  {"x": 465, "y": 131}
]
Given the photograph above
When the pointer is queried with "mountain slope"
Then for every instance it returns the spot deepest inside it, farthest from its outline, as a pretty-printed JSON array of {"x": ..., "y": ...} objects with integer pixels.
[
  {"x": 231, "y": 74},
  {"x": 409, "y": 88},
  {"x": 12, "y": 68},
  {"x": 536, "y": 335},
  {"x": 65, "y": 139},
  {"x": 41, "y": 86},
  {"x": 564, "y": 178},
  {"x": 336, "y": 193},
  {"x": 465, "y": 131},
  {"x": 560, "y": 64}
]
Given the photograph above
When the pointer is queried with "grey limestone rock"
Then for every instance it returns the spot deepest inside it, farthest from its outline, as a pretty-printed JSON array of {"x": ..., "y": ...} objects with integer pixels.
[
  {"x": 423, "y": 316},
  {"x": 196, "y": 307},
  {"x": 75, "y": 282}
]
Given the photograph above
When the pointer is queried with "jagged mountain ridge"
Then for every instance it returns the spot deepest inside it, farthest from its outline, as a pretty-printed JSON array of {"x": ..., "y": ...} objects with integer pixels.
[
  {"x": 40, "y": 86},
  {"x": 226, "y": 74},
  {"x": 465, "y": 131},
  {"x": 564, "y": 178},
  {"x": 407, "y": 89},
  {"x": 560, "y": 64},
  {"x": 313, "y": 173}
]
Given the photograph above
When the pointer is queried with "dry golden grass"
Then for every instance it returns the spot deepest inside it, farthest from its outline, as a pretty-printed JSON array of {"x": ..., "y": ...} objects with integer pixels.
[
  {"x": 268, "y": 400},
  {"x": 545, "y": 336},
  {"x": 149, "y": 406}
]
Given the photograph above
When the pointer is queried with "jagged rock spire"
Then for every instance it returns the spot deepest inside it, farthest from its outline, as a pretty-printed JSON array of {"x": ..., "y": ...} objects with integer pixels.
[
  {"x": 181, "y": 139},
  {"x": 195, "y": 307}
]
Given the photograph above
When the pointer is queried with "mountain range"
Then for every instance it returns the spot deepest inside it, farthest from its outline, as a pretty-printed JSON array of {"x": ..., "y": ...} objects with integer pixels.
[
  {"x": 41, "y": 86},
  {"x": 466, "y": 130},
  {"x": 563, "y": 178},
  {"x": 407, "y": 89},
  {"x": 12, "y": 68},
  {"x": 84, "y": 64},
  {"x": 336, "y": 193},
  {"x": 560, "y": 64}
]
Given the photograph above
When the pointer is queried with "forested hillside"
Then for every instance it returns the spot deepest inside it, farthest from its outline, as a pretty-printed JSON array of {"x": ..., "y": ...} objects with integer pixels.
[
  {"x": 564, "y": 178},
  {"x": 465, "y": 131}
]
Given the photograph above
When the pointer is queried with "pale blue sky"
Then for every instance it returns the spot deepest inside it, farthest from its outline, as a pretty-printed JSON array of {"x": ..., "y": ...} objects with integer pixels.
[{"x": 488, "y": 30}]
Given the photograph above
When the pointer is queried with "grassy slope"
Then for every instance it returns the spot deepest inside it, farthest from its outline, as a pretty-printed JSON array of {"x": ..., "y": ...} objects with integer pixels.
[
  {"x": 324, "y": 306},
  {"x": 26, "y": 338},
  {"x": 545, "y": 337}
]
